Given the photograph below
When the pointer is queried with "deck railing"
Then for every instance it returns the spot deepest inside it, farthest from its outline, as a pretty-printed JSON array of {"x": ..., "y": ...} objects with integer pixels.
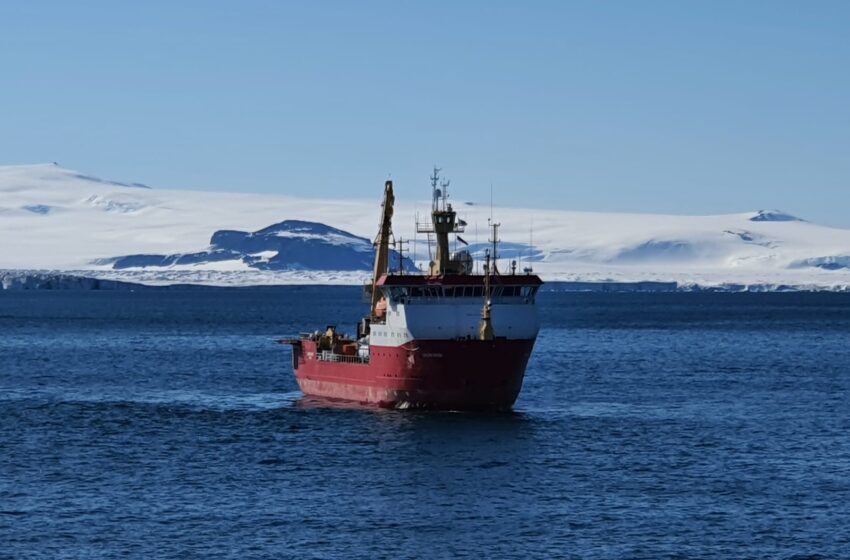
[{"x": 326, "y": 356}]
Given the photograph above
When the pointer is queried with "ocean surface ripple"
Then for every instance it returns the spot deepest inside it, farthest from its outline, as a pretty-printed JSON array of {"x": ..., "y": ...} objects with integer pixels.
[{"x": 168, "y": 425}]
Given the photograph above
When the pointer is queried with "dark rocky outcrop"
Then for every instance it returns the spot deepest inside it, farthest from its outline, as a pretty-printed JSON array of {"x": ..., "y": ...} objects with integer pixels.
[{"x": 288, "y": 245}]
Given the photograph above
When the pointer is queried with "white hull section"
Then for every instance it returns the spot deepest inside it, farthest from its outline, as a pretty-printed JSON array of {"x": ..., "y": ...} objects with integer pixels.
[{"x": 406, "y": 322}]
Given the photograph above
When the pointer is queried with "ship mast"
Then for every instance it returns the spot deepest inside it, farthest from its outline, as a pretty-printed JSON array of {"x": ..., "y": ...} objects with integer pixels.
[
  {"x": 443, "y": 222},
  {"x": 494, "y": 227},
  {"x": 382, "y": 244},
  {"x": 398, "y": 245},
  {"x": 485, "y": 329}
]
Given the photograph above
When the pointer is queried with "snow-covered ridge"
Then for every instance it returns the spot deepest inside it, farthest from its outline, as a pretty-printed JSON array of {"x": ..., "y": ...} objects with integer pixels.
[
  {"x": 59, "y": 219},
  {"x": 289, "y": 245}
]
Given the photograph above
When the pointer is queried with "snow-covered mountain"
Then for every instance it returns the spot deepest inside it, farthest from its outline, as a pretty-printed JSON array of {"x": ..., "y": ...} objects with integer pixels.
[
  {"x": 290, "y": 245},
  {"x": 58, "y": 219}
]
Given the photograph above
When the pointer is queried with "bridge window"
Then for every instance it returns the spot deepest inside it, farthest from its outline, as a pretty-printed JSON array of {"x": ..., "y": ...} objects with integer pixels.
[
  {"x": 529, "y": 291},
  {"x": 398, "y": 293}
]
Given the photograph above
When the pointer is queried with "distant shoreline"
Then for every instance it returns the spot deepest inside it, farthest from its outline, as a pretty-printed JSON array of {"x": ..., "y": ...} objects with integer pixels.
[{"x": 18, "y": 280}]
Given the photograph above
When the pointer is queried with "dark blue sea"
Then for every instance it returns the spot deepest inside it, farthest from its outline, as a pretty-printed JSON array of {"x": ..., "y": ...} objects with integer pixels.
[{"x": 167, "y": 424}]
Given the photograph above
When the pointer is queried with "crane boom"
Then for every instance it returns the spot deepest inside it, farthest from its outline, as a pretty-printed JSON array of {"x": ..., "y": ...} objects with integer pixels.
[{"x": 382, "y": 243}]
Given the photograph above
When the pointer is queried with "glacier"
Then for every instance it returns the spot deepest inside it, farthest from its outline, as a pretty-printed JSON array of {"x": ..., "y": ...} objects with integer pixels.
[{"x": 64, "y": 221}]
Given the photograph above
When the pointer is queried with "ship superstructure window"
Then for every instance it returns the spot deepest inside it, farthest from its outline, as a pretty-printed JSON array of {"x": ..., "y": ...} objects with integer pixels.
[
  {"x": 525, "y": 292},
  {"x": 400, "y": 294},
  {"x": 396, "y": 293},
  {"x": 529, "y": 291},
  {"x": 463, "y": 291}
]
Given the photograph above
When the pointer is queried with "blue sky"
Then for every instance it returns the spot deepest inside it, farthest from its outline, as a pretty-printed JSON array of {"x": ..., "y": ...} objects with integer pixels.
[{"x": 691, "y": 107}]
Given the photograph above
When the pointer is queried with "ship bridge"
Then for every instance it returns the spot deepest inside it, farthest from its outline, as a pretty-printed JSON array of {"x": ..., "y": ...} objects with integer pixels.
[
  {"x": 429, "y": 289},
  {"x": 450, "y": 301}
]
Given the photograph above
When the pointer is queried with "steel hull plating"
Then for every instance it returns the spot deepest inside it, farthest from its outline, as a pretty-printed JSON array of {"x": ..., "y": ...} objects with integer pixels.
[{"x": 435, "y": 374}]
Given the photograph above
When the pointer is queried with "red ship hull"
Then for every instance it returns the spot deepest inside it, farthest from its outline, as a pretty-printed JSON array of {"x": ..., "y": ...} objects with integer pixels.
[{"x": 434, "y": 374}]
